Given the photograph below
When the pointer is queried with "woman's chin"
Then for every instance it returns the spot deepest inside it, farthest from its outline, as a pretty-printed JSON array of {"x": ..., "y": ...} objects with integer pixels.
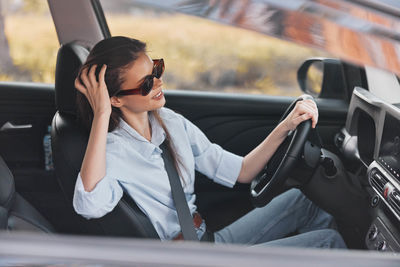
[{"x": 159, "y": 103}]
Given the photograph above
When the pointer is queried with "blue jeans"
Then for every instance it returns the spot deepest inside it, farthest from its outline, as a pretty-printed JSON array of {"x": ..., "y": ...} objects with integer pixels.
[{"x": 286, "y": 214}]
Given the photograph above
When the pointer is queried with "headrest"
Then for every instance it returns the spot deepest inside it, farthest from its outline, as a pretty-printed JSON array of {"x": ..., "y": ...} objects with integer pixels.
[
  {"x": 70, "y": 58},
  {"x": 7, "y": 188}
]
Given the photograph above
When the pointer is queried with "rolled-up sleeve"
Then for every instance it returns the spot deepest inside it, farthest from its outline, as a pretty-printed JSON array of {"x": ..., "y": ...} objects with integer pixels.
[
  {"x": 98, "y": 202},
  {"x": 221, "y": 166}
]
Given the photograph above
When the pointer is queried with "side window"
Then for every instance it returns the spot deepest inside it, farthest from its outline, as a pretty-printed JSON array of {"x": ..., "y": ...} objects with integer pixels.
[
  {"x": 203, "y": 55},
  {"x": 28, "y": 41}
]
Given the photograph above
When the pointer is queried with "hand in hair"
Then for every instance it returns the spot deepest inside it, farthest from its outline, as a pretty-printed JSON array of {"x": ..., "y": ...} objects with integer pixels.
[{"x": 94, "y": 89}]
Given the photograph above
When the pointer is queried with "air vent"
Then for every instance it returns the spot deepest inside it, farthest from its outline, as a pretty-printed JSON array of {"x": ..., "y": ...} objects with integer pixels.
[
  {"x": 394, "y": 201},
  {"x": 378, "y": 181}
]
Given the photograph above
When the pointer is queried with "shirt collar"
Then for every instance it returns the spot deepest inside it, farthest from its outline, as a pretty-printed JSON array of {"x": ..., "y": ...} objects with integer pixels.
[
  {"x": 157, "y": 132},
  {"x": 145, "y": 147}
]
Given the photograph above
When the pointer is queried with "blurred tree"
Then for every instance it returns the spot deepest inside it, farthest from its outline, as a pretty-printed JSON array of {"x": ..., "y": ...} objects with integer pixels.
[
  {"x": 35, "y": 6},
  {"x": 6, "y": 63}
]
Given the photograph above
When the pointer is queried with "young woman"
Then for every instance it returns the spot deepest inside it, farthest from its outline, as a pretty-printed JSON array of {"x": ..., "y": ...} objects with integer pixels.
[{"x": 121, "y": 101}]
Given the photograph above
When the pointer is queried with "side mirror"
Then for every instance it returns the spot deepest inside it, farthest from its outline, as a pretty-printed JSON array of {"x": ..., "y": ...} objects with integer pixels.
[{"x": 323, "y": 78}]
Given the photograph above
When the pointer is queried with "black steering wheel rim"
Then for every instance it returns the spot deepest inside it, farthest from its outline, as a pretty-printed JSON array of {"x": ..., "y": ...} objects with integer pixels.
[{"x": 264, "y": 187}]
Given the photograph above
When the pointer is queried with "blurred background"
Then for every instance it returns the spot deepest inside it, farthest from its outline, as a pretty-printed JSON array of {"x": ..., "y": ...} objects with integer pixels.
[{"x": 199, "y": 54}]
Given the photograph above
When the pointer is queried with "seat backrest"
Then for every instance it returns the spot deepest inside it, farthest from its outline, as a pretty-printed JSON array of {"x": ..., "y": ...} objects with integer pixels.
[
  {"x": 69, "y": 141},
  {"x": 16, "y": 214}
]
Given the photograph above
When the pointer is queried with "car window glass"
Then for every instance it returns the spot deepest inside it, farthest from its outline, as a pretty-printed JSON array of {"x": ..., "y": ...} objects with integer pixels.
[
  {"x": 208, "y": 56},
  {"x": 28, "y": 41}
]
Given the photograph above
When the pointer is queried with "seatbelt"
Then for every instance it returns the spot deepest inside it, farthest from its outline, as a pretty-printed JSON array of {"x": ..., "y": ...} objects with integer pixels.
[{"x": 182, "y": 208}]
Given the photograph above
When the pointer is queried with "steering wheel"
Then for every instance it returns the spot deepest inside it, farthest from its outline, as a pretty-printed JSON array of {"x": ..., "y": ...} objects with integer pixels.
[{"x": 272, "y": 179}]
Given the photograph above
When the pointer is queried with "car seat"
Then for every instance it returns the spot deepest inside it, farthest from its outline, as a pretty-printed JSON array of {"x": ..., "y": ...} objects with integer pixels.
[
  {"x": 69, "y": 142},
  {"x": 16, "y": 214}
]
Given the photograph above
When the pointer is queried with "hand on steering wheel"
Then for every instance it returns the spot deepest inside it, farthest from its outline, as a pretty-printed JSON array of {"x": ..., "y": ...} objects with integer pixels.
[
  {"x": 304, "y": 109},
  {"x": 299, "y": 117}
]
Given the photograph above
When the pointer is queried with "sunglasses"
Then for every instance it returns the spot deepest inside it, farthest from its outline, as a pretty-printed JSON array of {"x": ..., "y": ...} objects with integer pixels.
[{"x": 147, "y": 85}]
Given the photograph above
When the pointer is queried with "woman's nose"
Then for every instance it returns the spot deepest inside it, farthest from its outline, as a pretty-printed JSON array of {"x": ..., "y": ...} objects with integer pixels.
[{"x": 157, "y": 82}]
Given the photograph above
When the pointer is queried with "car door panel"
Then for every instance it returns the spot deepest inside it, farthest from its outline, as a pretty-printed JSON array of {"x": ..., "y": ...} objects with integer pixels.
[
  {"x": 24, "y": 104},
  {"x": 22, "y": 149}
]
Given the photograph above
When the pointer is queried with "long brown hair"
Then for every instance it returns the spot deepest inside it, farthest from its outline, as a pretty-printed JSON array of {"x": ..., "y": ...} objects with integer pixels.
[{"x": 118, "y": 53}]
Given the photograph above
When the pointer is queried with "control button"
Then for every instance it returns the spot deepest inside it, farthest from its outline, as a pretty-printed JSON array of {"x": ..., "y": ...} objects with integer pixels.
[
  {"x": 373, "y": 233},
  {"x": 381, "y": 245},
  {"x": 374, "y": 201}
]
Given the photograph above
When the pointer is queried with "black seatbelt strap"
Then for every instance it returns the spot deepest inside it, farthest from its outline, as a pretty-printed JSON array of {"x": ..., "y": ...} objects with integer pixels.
[{"x": 181, "y": 205}]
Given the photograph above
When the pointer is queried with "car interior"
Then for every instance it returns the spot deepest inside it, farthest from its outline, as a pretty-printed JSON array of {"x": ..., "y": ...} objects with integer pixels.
[
  {"x": 349, "y": 165},
  {"x": 16, "y": 213}
]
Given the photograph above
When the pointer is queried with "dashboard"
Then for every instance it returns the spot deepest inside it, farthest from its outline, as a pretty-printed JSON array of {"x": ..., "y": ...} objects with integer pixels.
[{"x": 372, "y": 135}]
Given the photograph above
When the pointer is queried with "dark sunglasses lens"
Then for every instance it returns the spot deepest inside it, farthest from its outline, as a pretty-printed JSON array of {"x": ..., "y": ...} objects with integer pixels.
[
  {"x": 147, "y": 85},
  {"x": 159, "y": 69}
]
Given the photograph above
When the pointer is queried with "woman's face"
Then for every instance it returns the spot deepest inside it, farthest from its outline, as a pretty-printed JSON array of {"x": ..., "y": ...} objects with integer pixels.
[{"x": 134, "y": 76}]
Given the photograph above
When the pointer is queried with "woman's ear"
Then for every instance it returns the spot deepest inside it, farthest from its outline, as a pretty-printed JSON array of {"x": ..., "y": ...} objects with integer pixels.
[{"x": 116, "y": 101}]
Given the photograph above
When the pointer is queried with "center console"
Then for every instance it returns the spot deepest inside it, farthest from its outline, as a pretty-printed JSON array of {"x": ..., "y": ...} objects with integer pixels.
[
  {"x": 384, "y": 178},
  {"x": 379, "y": 235},
  {"x": 376, "y": 126}
]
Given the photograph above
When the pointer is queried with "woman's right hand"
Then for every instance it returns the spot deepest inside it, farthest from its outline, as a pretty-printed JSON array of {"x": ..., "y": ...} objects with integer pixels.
[{"x": 95, "y": 91}]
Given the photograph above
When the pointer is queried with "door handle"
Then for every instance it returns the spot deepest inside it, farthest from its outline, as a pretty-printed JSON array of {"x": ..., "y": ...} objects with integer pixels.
[{"x": 9, "y": 126}]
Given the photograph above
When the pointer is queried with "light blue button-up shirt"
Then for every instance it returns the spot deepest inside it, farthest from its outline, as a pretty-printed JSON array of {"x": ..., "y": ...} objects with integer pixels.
[{"x": 135, "y": 166}]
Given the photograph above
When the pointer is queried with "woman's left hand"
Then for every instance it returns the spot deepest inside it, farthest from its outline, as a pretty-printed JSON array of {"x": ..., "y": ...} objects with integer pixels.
[{"x": 303, "y": 110}]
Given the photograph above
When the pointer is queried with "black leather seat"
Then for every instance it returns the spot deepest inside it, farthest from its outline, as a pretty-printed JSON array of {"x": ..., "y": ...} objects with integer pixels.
[
  {"x": 16, "y": 214},
  {"x": 69, "y": 142}
]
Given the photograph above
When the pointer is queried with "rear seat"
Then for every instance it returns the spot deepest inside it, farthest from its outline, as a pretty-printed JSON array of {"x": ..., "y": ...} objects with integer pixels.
[{"x": 16, "y": 214}]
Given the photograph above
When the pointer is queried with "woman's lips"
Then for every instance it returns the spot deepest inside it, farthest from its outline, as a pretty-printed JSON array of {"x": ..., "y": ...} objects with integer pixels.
[{"x": 159, "y": 95}]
